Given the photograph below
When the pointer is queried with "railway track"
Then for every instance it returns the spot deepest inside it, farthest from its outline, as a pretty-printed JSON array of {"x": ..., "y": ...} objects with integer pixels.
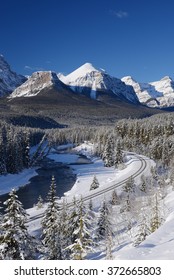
[
  {"x": 97, "y": 193},
  {"x": 112, "y": 187}
]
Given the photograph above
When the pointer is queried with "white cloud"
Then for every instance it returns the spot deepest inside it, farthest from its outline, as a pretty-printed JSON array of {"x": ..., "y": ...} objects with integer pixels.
[
  {"x": 120, "y": 14},
  {"x": 33, "y": 68}
]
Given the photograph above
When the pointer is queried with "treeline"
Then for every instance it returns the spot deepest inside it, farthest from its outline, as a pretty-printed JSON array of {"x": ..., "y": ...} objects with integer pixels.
[
  {"x": 153, "y": 137},
  {"x": 15, "y": 143}
]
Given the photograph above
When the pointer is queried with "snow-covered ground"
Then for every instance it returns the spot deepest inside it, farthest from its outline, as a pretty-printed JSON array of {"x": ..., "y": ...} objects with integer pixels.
[
  {"x": 158, "y": 245},
  {"x": 107, "y": 176},
  {"x": 9, "y": 181}
]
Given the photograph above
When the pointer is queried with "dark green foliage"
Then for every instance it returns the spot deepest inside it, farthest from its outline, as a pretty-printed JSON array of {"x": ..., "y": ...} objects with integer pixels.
[
  {"x": 14, "y": 148},
  {"x": 51, "y": 236},
  {"x": 104, "y": 223},
  {"x": 118, "y": 154},
  {"x": 15, "y": 241}
]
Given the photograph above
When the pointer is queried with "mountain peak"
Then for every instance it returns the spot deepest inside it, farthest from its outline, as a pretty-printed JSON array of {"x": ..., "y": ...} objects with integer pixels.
[
  {"x": 129, "y": 80},
  {"x": 37, "y": 82},
  {"x": 81, "y": 72},
  {"x": 166, "y": 78}
]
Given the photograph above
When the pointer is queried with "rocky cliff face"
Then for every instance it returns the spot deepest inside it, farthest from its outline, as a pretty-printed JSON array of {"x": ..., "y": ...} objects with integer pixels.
[
  {"x": 38, "y": 81},
  {"x": 9, "y": 80},
  {"x": 155, "y": 94}
]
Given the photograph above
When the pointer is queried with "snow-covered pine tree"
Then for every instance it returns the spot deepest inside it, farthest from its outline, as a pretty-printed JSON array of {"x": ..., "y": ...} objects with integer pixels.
[
  {"x": 95, "y": 183},
  {"x": 73, "y": 221},
  {"x": 50, "y": 226},
  {"x": 143, "y": 229},
  {"x": 39, "y": 203},
  {"x": 108, "y": 153},
  {"x": 104, "y": 225},
  {"x": 115, "y": 198},
  {"x": 118, "y": 158},
  {"x": 64, "y": 229},
  {"x": 82, "y": 236},
  {"x": 129, "y": 187},
  {"x": 16, "y": 243},
  {"x": 156, "y": 218}
]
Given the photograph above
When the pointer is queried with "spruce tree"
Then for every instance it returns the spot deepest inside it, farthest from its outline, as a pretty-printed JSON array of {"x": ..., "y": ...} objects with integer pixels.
[
  {"x": 16, "y": 243},
  {"x": 129, "y": 187},
  {"x": 64, "y": 230},
  {"x": 108, "y": 153},
  {"x": 143, "y": 229},
  {"x": 156, "y": 219},
  {"x": 118, "y": 155},
  {"x": 50, "y": 226},
  {"x": 104, "y": 225},
  {"x": 82, "y": 236},
  {"x": 115, "y": 198},
  {"x": 40, "y": 202},
  {"x": 94, "y": 184}
]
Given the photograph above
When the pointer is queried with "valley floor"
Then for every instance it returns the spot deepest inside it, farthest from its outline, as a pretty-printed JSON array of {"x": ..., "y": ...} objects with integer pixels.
[{"x": 158, "y": 245}]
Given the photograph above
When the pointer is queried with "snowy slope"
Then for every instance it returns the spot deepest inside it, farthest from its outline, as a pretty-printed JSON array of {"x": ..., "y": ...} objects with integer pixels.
[
  {"x": 35, "y": 83},
  {"x": 88, "y": 79},
  {"x": 157, "y": 246},
  {"x": 9, "y": 80},
  {"x": 154, "y": 94}
]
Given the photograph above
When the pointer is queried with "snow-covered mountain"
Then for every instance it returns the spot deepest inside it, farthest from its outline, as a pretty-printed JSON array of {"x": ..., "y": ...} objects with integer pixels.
[
  {"x": 9, "y": 80},
  {"x": 154, "y": 94},
  {"x": 36, "y": 83},
  {"x": 89, "y": 81},
  {"x": 95, "y": 82}
]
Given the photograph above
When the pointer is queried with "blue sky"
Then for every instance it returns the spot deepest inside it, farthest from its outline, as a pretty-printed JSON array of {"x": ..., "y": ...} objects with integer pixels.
[{"x": 125, "y": 37}]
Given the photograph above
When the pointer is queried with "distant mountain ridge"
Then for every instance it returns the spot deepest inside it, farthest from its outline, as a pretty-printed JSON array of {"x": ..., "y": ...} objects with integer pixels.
[
  {"x": 9, "y": 80},
  {"x": 89, "y": 81},
  {"x": 155, "y": 94}
]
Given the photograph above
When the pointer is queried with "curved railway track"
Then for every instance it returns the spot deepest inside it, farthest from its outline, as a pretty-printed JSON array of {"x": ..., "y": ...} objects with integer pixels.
[
  {"x": 112, "y": 187},
  {"x": 95, "y": 194}
]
